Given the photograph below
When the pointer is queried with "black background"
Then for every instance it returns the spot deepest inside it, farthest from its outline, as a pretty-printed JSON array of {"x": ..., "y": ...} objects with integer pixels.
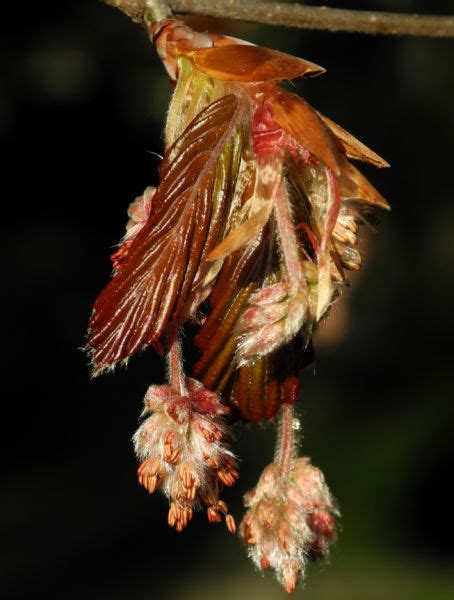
[{"x": 82, "y": 104}]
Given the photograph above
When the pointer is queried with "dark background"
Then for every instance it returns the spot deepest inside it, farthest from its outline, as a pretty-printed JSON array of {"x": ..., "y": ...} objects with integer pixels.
[{"x": 82, "y": 104}]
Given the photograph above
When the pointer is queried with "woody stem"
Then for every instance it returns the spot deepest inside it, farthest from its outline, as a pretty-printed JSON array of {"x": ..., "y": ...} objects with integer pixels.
[
  {"x": 138, "y": 10},
  {"x": 288, "y": 240},
  {"x": 285, "y": 448},
  {"x": 298, "y": 15},
  {"x": 156, "y": 10}
]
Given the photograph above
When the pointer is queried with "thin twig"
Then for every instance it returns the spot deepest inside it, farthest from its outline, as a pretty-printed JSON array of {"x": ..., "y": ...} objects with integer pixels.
[
  {"x": 315, "y": 17},
  {"x": 135, "y": 9},
  {"x": 288, "y": 239},
  {"x": 175, "y": 365},
  {"x": 285, "y": 449},
  {"x": 305, "y": 17}
]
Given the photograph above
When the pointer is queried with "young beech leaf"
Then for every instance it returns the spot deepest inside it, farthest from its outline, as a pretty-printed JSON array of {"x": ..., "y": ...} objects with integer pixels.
[
  {"x": 353, "y": 147},
  {"x": 299, "y": 119},
  {"x": 248, "y": 64},
  {"x": 162, "y": 264}
]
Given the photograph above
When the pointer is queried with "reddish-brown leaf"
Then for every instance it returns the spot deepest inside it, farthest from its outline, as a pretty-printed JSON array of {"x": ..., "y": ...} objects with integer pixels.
[
  {"x": 352, "y": 146},
  {"x": 217, "y": 338},
  {"x": 258, "y": 390},
  {"x": 299, "y": 119},
  {"x": 354, "y": 186},
  {"x": 246, "y": 63},
  {"x": 164, "y": 262}
]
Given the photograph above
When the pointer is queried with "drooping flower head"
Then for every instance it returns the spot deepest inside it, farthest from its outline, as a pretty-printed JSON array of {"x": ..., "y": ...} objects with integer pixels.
[
  {"x": 249, "y": 235},
  {"x": 182, "y": 446},
  {"x": 290, "y": 517}
]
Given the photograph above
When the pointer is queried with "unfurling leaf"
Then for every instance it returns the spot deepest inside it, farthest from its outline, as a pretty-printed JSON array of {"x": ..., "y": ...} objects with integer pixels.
[
  {"x": 246, "y": 63},
  {"x": 166, "y": 259},
  {"x": 273, "y": 317}
]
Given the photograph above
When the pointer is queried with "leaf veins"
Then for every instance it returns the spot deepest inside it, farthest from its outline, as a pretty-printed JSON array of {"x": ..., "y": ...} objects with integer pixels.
[{"x": 166, "y": 260}]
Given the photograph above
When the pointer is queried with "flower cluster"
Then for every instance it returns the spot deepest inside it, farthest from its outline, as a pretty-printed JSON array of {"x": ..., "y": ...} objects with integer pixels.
[
  {"x": 182, "y": 446},
  {"x": 247, "y": 239},
  {"x": 345, "y": 234},
  {"x": 290, "y": 517}
]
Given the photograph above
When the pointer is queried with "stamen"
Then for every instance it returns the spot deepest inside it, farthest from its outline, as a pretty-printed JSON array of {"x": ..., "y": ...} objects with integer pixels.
[
  {"x": 213, "y": 515},
  {"x": 230, "y": 523},
  {"x": 223, "y": 506},
  {"x": 225, "y": 477},
  {"x": 264, "y": 563},
  {"x": 208, "y": 435},
  {"x": 171, "y": 452},
  {"x": 290, "y": 583},
  {"x": 152, "y": 483},
  {"x": 171, "y": 519}
]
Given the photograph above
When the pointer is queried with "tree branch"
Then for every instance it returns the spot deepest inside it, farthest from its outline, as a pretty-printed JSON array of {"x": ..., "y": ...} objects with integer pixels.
[
  {"x": 314, "y": 17},
  {"x": 298, "y": 15},
  {"x": 135, "y": 9}
]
